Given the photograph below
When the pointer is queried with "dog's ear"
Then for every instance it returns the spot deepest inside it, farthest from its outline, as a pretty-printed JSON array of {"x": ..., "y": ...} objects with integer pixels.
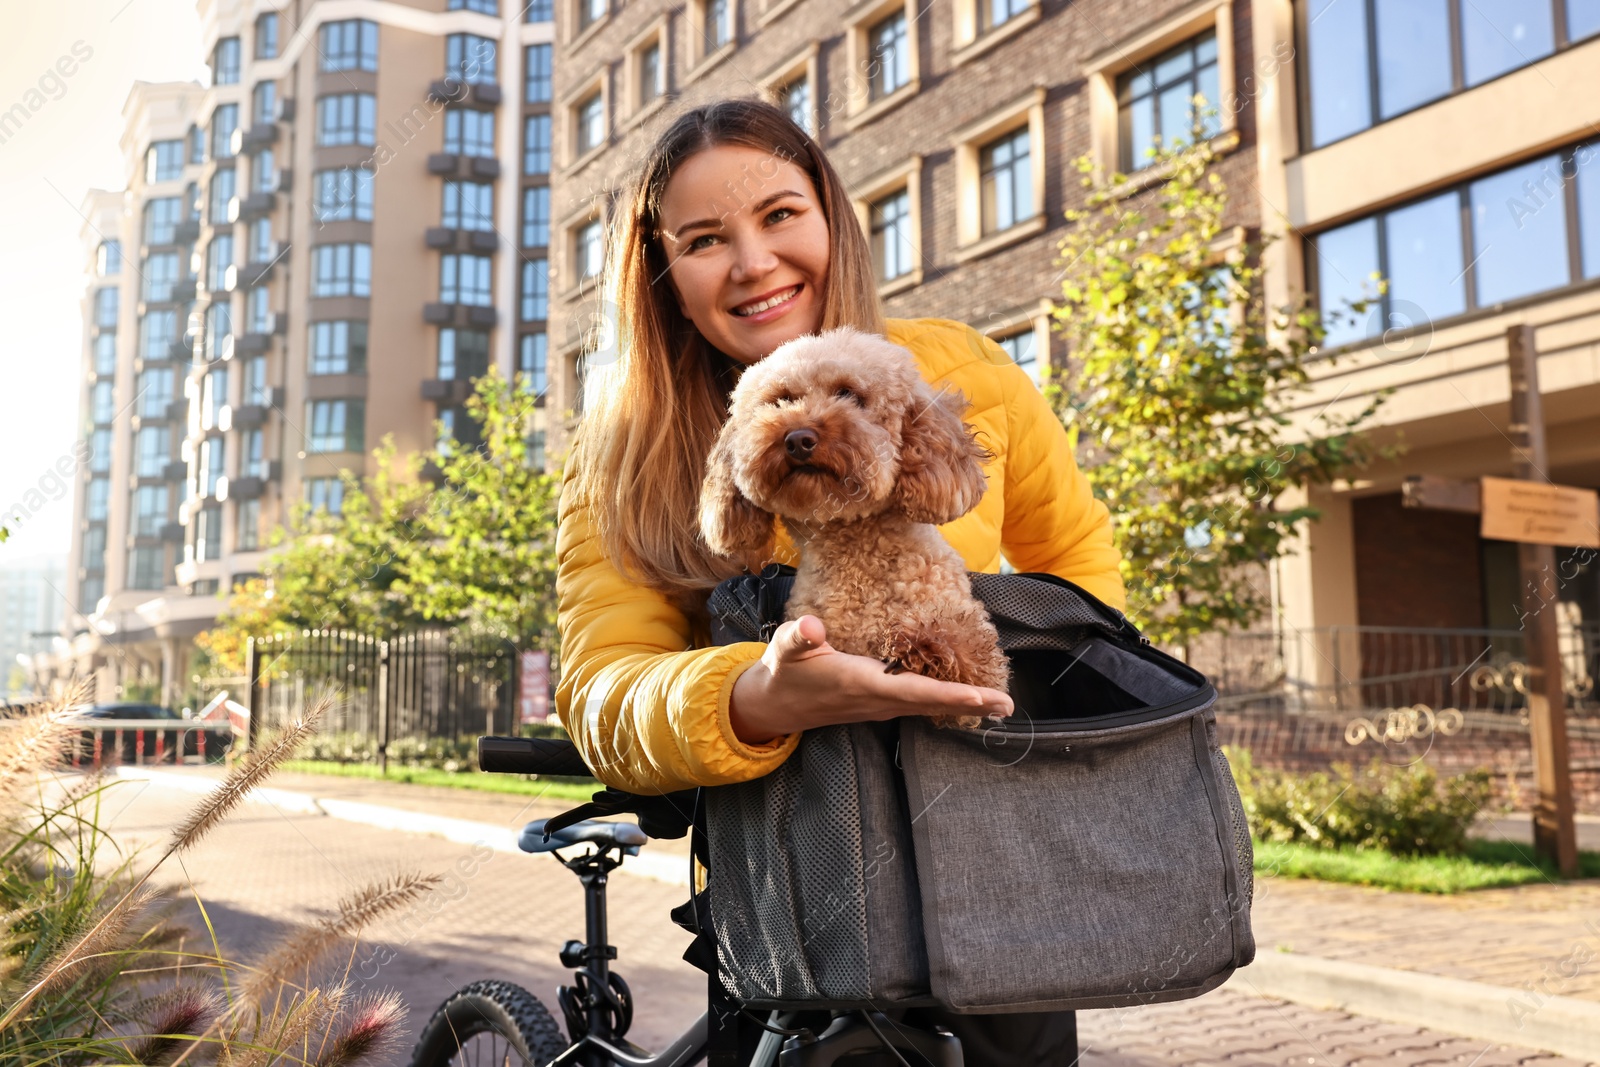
[
  {"x": 941, "y": 465},
  {"x": 730, "y": 523}
]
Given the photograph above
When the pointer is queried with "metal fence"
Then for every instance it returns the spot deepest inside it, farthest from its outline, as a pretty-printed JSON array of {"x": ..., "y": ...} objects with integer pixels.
[{"x": 426, "y": 686}]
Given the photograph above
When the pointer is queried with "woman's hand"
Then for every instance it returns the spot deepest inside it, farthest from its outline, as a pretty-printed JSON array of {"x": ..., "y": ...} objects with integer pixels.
[{"x": 803, "y": 682}]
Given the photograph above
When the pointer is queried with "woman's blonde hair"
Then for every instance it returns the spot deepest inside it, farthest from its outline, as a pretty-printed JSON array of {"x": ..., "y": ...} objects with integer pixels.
[{"x": 652, "y": 412}]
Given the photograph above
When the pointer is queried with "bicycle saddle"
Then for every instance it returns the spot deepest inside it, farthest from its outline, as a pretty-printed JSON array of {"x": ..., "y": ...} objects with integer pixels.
[{"x": 623, "y": 835}]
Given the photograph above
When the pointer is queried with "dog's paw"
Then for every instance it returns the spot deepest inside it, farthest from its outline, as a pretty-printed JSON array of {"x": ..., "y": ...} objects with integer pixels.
[
  {"x": 926, "y": 653},
  {"x": 957, "y": 722}
]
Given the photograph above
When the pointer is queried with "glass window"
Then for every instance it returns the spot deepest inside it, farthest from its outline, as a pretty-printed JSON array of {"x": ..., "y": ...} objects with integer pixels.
[
  {"x": 483, "y": 7},
  {"x": 891, "y": 49},
  {"x": 464, "y": 279},
  {"x": 105, "y": 306},
  {"x": 208, "y": 533},
  {"x": 468, "y": 206},
  {"x": 347, "y": 118},
  {"x": 262, "y": 249},
  {"x": 1583, "y": 19},
  {"x": 163, "y": 161},
  {"x": 219, "y": 257},
  {"x": 149, "y": 510},
  {"x": 334, "y": 425},
  {"x": 264, "y": 102},
  {"x": 105, "y": 353},
  {"x": 891, "y": 235},
  {"x": 267, "y": 36},
  {"x": 590, "y": 12},
  {"x": 650, "y": 74},
  {"x": 1586, "y": 164},
  {"x": 338, "y": 347},
  {"x": 221, "y": 193},
  {"x": 160, "y": 274},
  {"x": 536, "y": 61},
  {"x": 1502, "y": 35},
  {"x": 146, "y": 567},
  {"x": 213, "y": 396},
  {"x": 264, "y": 172},
  {"x": 536, "y": 145},
  {"x": 1023, "y": 348},
  {"x": 160, "y": 216},
  {"x": 536, "y": 216},
  {"x": 102, "y": 406},
  {"x": 535, "y": 291},
  {"x": 224, "y": 120},
  {"x": 342, "y": 195},
  {"x": 349, "y": 45},
  {"x": 325, "y": 494},
  {"x": 718, "y": 29},
  {"x": 469, "y": 132},
  {"x": 247, "y": 526},
  {"x": 1423, "y": 246},
  {"x": 89, "y": 593},
  {"x": 217, "y": 340},
  {"x": 96, "y": 499},
  {"x": 591, "y": 249},
  {"x": 1519, "y": 231},
  {"x": 539, "y": 11},
  {"x": 536, "y": 456},
  {"x": 463, "y": 354},
  {"x": 533, "y": 363},
  {"x": 157, "y": 331},
  {"x": 151, "y": 446},
  {"x": 1347, "y": 270},
  {"x": 99, "y": 456},
  {"x": 253, "y": 458},
  {"x": 94, "y": 548},
  {"x": 341, "y": 270},
  {"x": 992, "y": 13},
  {"x": 255, "y": 382},
  {"x": 591, "y": 123},
  {"x": 225, "y": 62},
  {"x": 1413, "y": 54},
  {"x": 470, "y": 56},
  {"x": 197, "y": 145},
  {"x": 1005, "y": 181},
  {"x": 108, "y": 258},
  {"x": 797, "y": 102},
  {"x": 155, "y": 392},
  {"x": 258, "y": 310},
  {"x": 1156, "y": 100},
  {"x": 211, "y": 465}
]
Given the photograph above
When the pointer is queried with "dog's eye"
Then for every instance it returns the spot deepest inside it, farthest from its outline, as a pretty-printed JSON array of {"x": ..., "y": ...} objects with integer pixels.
[
  {"x": 844, "y": 392},
  {"x": 783, "y": 398}
]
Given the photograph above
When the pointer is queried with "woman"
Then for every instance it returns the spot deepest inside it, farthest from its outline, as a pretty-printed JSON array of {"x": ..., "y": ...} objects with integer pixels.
[{"x": 739, "y": 236}]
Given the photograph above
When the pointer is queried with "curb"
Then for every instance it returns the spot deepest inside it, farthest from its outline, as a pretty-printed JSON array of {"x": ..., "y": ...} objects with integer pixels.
[
  {"x": 1563, "y": 1025},
  {"x": 667, "y": 869}
]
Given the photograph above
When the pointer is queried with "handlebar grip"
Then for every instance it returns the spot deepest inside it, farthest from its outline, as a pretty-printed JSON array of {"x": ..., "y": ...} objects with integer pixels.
[{"x": 530, "y": 755}]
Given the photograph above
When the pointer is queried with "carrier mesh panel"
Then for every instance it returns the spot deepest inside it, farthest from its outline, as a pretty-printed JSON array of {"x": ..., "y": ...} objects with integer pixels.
[
  {"x": 1237, "y": 821},
  {"x": 787, "y": 895},
  {"x": 1029, "y": 613}
]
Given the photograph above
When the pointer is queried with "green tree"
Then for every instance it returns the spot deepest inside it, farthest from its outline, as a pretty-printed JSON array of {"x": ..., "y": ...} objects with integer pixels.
[{"x": 1182, "y": 385}]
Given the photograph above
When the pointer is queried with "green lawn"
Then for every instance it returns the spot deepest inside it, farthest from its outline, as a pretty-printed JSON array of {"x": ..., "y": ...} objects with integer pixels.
[
  {"x": 578, "y": 789},
  {"x": 1485, "y": 865}
]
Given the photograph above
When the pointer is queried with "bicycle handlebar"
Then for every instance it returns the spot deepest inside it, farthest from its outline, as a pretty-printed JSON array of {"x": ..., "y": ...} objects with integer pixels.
[{"x": 530, "y": 755}]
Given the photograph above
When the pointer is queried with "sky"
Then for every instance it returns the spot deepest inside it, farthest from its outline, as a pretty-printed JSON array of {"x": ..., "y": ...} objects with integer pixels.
[{"x": 68, "y": 145}]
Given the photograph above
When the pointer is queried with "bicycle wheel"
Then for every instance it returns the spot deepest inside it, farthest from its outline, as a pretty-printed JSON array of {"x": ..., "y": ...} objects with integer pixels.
[{"x": 489, "y": 1023}]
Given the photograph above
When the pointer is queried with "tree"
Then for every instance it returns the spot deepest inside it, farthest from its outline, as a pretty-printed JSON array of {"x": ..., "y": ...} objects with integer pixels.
[{"x": 1181, "y": 392}]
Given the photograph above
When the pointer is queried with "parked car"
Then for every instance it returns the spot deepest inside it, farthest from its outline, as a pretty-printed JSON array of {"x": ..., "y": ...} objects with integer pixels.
[{"x": 109, "y": 713}]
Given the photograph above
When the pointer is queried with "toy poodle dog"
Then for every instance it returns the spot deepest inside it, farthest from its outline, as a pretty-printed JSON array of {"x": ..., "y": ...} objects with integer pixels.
[{"x": 839, "y": 436}]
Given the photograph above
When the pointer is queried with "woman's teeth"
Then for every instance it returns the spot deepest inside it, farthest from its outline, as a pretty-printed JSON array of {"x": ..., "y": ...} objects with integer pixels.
[{"x": 765, "y": 304}]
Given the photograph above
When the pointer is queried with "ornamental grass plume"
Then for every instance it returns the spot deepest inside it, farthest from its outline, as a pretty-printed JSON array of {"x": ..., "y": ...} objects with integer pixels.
[
  {"x": 182, "y": 1013},
  {"x": 35, "y": 742},
  {"x": 374, "y": 1028}
]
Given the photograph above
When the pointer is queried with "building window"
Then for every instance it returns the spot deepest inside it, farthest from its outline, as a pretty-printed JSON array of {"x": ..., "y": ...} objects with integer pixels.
[
  {"x": 590, "y": 12},
  {"x": 100, "y": 451},
  {"x": 651, "y": 84},
  {"x": 102, "y": 403},
  {"x": 463, "y": 354},
  {"x": 208, "y": 534},
  {"x": 225, "y": 62},
  {"x": 347, "y": 118},
  {"x": 469, "y": 132},
  {"x": 341, "y": 270},
  {"x": 349, "y": 45},
  {"x": 1023, "y": 348},
  {"x": 536, "y": 216},
  {"x": 160, "y": 275},
  {"x": 105, "y": 307},
  {"x": 219, "y": 257},
  {"x": 470, "y": 56},
  {"x": 220, "y": 195},
  {"x": 255, "y": 382},
  {"x": 152, "y": 446},
  {"x": 211, "y": 465},
  {"x": 892, "y": 245},
  {"x": 89, "y": 593},
  {"x": 94, "y": 548},
  {"x": 163, "y": 161},
  {"x": 267, "y": 36},
  {"x": 464, "y": 279},
  {"x": 335, "y": 425},
  {"x": 590, "y": 249},
  {"x": 217, "y": 340},
  {"x": 224, "y": 120},
  {"x": 1005, "y": 181},
  {"x": 539, "y": 11},
  {"x": 160, "y": 216},
  {"x": 145, "y": 567},
  {"x": 253, "y": 460},
  {"x": 342, "y": 195},
  {"x": 155, "y": 392},
  {"x": 719, "y": 24},
  {"x": 891, "y": 50},
  {"x": 796, "y": 100},
  {"x": 157, "y": 331},
  {"x": 197, "y": 145},
  {"x": 536, "y": 61},
  {"x": 591, "y": 123},
  {"x": 468, "y": 206},
  {"x": 258, "y": 311},
  {"x": 482, "y": 7},
  {"x": 533, "y": 363},
  {"x": 536, "y": 145},
  {"x": 264, "y": 102},
  {"x": 535, "y": 291},
  {"x": 1496, "y": 239},
  {"x": 263, "y": 172},
  {"x": 213, "y": 396},
  {"x": 262, "y": 248},
  {"x": 536, "y": 456},
  {"x": 97, "y": 498},
  {"x": 105, "y": 354},
  {"x": 1156, "y": 105},
  {"x": 1367, "y": 62},
  {"x": 338, "y": 347},
  {"x": 108, "y": 258},
  {"x": 995, "y": 13},
  {"x": 325, "y": 494},
  {"x": 247, "y": 526}
]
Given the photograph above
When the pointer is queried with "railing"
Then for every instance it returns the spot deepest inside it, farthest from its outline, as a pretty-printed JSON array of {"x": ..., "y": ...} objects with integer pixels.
[{"x": 149, "y": 742}]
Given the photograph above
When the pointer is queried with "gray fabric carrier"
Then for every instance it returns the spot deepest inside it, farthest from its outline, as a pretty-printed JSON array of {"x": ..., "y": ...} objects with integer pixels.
[{"x": 1090, "y": 852}]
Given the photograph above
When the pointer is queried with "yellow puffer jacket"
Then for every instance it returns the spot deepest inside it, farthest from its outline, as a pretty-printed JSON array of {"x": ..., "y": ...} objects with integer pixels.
[{"x": 649, "y": 711}]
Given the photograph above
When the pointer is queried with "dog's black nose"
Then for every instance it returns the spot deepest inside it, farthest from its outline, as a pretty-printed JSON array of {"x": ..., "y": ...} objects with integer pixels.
[{"x": 800, "y": 443}]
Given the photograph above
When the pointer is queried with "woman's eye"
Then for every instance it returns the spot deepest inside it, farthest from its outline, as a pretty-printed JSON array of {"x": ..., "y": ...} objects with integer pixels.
[
  {"x": 695, "y": 246},
  {"x": 779, "y": 211}
]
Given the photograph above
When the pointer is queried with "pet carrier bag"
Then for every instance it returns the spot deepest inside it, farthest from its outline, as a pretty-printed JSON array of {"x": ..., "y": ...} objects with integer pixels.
[{"x": 1089, "y": 852}]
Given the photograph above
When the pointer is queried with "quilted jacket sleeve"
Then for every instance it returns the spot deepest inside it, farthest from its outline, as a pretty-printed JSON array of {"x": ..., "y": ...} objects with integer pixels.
[
  {"x": 648, "y": 712},
  {"x": 1053, "y": 522}
]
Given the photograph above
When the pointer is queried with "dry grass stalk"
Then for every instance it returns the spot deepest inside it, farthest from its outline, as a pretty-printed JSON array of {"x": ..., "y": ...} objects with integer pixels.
[
  {"x": 286, "y": 1030},
  {"x": 37, "y": 741},
  {"x": 374, "y": 1028},
  {"x": 105, "y": 936},
  {"x": 310, "y": 944},
  {"x": 185, "y": 1012}
]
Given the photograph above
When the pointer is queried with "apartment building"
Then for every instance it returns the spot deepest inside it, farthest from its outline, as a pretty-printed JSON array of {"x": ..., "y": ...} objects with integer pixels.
[{"x": 319, "y": 250}]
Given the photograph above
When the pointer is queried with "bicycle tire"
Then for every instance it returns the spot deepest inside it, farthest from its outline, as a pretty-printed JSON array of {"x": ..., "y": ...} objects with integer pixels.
[{"x": 489, "y": 1007}]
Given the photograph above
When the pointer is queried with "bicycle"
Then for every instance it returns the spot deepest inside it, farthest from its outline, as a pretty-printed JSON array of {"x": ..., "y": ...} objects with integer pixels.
[{"x": 500, "y": 1023}]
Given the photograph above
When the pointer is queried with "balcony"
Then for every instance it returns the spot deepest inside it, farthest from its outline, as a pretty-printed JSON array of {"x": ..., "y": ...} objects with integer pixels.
[
  {"x": 172, "y": 532},
  {"x": 175, "y": 471},
  {"x": 183, "y": 350},
  {"x": 186, "y": 232},
  {"x": 450, "y": 239},
  {"x": 257, "y": 137},
  {"x": 257, "y": 271},
  {"x": 278, "y": 323},
  {"x": 286, "y": 109},
  {"x": 485, "y": 167},
  {"x": 246, "y": 488},
  {"x": 285, "y": 179},
  {"x": 444, "y": 164},
  {"x": 253, "y": 206},
  {"x": 437, "y": 314},
  {"x": 252, "y": 344},
  {"x": 446, "y": 392},
  {"x": 178, "y": 410},
  {"x": 247, "y": 416},
  {"x": 441, "y": 237}
]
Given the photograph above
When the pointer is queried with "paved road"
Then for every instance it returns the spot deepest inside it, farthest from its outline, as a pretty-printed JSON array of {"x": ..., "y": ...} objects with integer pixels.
[{"x": 504, "y": 916}]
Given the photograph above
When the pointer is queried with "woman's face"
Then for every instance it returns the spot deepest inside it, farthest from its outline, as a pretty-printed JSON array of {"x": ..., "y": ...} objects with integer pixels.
[{"x": 742, "y": 227}]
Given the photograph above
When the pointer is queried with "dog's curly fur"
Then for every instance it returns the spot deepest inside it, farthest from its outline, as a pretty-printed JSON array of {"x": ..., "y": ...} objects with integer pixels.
[{"x": 839, "y": 436}]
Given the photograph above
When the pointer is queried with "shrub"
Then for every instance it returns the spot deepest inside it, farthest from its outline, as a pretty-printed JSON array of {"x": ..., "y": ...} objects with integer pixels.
[{"x": 1402, "y": 810}]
